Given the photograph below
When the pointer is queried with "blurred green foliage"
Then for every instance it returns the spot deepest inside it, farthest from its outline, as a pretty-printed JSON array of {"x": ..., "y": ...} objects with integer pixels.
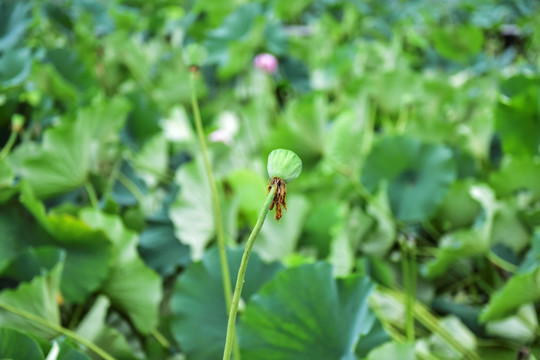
[{"x": 415, "y": 120}]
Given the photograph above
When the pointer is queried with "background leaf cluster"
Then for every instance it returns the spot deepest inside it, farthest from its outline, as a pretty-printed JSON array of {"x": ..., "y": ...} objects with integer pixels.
[{"x": 416, "y": 123}]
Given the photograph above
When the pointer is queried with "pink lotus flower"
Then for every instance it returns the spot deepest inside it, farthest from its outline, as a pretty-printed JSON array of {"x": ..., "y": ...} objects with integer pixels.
[{"x": 266, "y": 62}]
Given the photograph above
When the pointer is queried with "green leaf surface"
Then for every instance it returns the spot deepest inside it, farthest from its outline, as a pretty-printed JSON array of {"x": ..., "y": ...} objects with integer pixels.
[
  {"x": 15, "y": 16},
  {"x": 72, "y": 69},
  {"x": 37, "y": 297},
  {"x": 288, "y": 231},
  {"x": 93, "y": 327},
  {"x": 199, "y": 320},
  {"x": 458, "y": 43},
  {"x": 516, "y": 120},
  {"x": 17, "y": 345},
  {"x": 467, "y": 242},
  {"x": 283, "y": 322},
  {"x": 131, "y": 286},
  {"x": 7, "y": 177},
  {"x": 517, "y": 174},
  {"x": 58, "y": 165},
  {"x": 31, "y": 262},
  {"x": 88, "y": 252},
  {"x": 192, "y": 212},
  {"x": 67, "y": 351},
  {"x": 251, "y": 190},
  {"x": 15, "y": 66},
  {"x": 345, "y": 142},
  {"x": 393, "y": 351},
  {"x": 522, "y": 288},
  {"x": 418, "y": 175},
  {"x": 161, "y": 250}
]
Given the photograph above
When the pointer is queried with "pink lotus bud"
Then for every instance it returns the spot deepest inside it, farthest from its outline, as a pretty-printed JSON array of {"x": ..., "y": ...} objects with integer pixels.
[{"x": 266, "y": 62}]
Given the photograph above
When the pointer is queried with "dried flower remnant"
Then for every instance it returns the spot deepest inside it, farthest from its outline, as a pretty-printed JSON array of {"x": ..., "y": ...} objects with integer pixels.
[
  {"x": 279, "y": 196},
  {"x": 265, "y": 62}
]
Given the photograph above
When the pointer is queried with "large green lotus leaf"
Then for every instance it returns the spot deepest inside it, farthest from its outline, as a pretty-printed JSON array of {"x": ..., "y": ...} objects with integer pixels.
[
  {"x": 517, "y": 121},
  {"x": 458, "y": 43},
  {"x": 288, "y": 230},
  {"x": 236, "y": 26},
  {"x": 15, "y": 16},
  {"x": 305, "y": 313},
  {"x": 60, "y": 164},
  {"x": 132, "y": 287},
  {"x": 62, "y": 161},
  {"x": 517, "y": 174},
  {"x": 467, "y": 242},
  {"x": 37, "y": 297},
  {"x": 31, "y": 262},
  {"x": 15, "y": 66},
  {"x": 199, "y": 322},
  {"x": 50, "y": 82},
  {"x": 418, "y": 175},
  {"x": 17, "y": 345},
  {"x": 192, "y": 212},
  {"x": 89, "y": 252},
  {"x": 522, "y": 288},
  {"x": 72, "y": 69},
  {"x": 93, "y": 327},
  {"x": 19, "y": 230}
]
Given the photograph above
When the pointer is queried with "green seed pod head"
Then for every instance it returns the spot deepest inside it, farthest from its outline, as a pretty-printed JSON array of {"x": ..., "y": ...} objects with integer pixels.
[
  {"x": 194, "y": 55},
  {"x": 284, "y": 164}
]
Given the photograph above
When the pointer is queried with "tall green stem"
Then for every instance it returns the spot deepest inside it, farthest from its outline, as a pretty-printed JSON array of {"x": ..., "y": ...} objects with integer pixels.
[
  {"x": 32, "y": 317},
  {"x": 225, "y": 275},
  {"x": 242, "y": 273}
]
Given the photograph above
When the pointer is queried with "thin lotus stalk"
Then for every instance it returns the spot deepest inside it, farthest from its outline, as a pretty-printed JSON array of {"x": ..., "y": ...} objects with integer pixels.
[
  {"x": 231, "y": 325},
  {"x": 225, "y": 274}
]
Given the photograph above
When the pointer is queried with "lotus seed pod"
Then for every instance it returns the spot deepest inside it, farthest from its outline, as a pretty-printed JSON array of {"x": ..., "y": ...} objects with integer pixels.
[{"x": 284, "y": 164}]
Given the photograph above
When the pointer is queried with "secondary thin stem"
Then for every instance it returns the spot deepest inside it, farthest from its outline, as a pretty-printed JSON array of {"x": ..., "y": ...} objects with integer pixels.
[
  {"x": 225, "y": 275},
  {"x": 32, "y": 317},
  {"x": 242, "y": 273}
]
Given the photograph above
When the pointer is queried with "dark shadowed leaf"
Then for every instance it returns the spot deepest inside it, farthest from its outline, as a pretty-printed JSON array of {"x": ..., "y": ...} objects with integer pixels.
[
  {"x": 131, "y": 286},
  {"x": 15, "y": 66},
  {"x": 17, "y": 345},
  {"x": 418, "y": 175}
]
